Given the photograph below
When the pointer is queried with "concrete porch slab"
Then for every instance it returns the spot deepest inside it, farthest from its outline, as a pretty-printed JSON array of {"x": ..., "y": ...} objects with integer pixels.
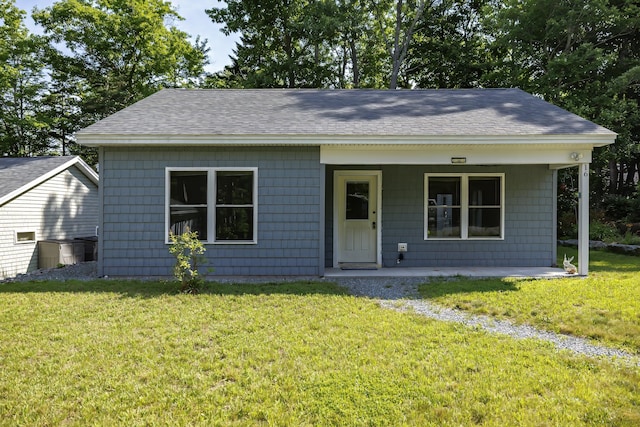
[{"x": 533, "y": 272}]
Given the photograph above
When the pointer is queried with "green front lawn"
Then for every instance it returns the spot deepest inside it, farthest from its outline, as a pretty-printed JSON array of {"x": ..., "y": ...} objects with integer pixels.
[
  {"x": 136, "y": 353},
  {"x": 604, "y": 306}
]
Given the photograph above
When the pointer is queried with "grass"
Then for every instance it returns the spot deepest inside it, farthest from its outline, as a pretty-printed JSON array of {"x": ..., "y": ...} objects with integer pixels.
[
  {"x": 605, "y": 306},
  {"x": 136, "y": 353}
]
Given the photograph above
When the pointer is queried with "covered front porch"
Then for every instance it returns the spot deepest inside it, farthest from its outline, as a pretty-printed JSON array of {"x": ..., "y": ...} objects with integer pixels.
[{"x": 404, "y": 238}]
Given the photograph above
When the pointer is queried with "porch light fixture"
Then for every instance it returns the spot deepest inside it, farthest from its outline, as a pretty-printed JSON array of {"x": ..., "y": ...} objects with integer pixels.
[
  {"x": 458, "y": 160},
  {"x": 576, "y": 156}
]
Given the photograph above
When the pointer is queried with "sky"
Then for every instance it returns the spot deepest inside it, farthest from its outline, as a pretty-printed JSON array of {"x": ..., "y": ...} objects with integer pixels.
[{"x": 196, "y": 23}]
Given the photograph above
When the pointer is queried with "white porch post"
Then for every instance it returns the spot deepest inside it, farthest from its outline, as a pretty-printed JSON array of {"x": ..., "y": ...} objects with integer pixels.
[{"x": 583, "y": 219}]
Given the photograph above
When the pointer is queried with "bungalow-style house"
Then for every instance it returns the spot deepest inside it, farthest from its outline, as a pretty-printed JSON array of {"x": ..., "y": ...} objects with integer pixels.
[
  {"x": 292, "y": 182},
  {"x": 43, "y": 198}
]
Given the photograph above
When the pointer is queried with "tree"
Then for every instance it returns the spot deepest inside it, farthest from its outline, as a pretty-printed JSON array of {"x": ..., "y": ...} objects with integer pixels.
[
  {"x": 115, "y": 52},
  {"x": 449, "y": 48},
  {"x": 406, "y": 20},
  {"x": 319, "y": 43},
  {"x": 364, "y": 35},
  {"x": 583, "y": 56},
  {"x": 22, "y": 123},
  {"x": 284, "y": 43}
]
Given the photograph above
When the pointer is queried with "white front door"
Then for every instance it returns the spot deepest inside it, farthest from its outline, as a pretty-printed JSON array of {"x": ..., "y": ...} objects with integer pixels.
[{"x": 356, "y": 216}]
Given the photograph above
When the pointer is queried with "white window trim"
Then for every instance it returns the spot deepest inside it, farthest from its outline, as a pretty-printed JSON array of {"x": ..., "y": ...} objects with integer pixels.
[
  {"x": 25, "y": 242},
  {"x": 211, "y": 202},
  {"x": 464, "y": 207}
]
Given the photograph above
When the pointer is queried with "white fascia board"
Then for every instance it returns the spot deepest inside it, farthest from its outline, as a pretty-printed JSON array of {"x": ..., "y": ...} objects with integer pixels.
[
  {"x": 95, "y": 140},
  {"x": 442, "y": 155},
  {"x": 87, "y": 170},
  {"x": 77, "y": 161}
]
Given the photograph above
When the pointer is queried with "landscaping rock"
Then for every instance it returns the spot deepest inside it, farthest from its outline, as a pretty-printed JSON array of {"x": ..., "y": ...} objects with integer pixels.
[
  {"x": 593, "y": 244},
  {"x": 624, "y": 249},
  {"x": 81, "y": 271},
  {"x": 613, "y": 247}
]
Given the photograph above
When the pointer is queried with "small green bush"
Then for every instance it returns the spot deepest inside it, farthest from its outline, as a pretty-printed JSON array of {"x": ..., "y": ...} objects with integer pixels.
[
  {"x": 188, "y": 250},
  {"x": 630, "y": 239},
  {"x": 567, "y": 227},
  {"x": 617, "y": 207},
  {"x": 604, "y": 231}
]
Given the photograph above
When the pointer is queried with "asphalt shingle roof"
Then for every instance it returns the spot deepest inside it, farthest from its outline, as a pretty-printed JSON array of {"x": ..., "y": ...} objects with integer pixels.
[
  {"x": 16, "y": 172},
  {"x": 306, "y": 112}
]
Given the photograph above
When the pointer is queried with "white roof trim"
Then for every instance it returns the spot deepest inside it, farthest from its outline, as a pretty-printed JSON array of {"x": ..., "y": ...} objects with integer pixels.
[
  {"x": 96, "y": 140},
  {"x": 76, "y": 161}
]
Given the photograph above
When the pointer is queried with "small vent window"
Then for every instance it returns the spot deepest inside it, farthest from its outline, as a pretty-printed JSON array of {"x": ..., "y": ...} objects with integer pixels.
[{"x": 25, "y": 236}]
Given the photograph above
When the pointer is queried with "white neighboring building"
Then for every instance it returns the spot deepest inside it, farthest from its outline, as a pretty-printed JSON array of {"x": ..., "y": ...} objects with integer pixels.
[{"x": 43, "y": 198}]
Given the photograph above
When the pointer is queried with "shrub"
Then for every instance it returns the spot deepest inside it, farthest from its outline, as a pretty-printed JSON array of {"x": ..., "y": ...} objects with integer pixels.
[
  {"x": 188, "y": 250},
  {"x": 630, "y": 239},
  {"x": 567, "y": 225},
  {"x": 617, "y": 207},
  {"x": 603, "y": 231}
]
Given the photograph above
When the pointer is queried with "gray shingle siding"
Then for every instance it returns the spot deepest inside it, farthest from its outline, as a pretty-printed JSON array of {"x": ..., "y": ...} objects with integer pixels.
[
  {"x": 289, "y": 214},
  {"x": 289, "y": 201},
  {"x": 528, "y": 219}
]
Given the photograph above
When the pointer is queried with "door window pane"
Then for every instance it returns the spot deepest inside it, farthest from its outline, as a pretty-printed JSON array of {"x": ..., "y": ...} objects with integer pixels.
[{"x": 357, "y": 200}]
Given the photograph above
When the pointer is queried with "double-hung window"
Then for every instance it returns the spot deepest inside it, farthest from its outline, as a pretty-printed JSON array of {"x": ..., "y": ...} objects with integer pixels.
[
  {"x": 464, "y": 206},
  {"x": 220, "y": 204}
]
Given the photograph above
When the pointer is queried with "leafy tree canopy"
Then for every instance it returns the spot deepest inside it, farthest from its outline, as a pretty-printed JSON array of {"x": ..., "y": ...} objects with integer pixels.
[
  {"x": 108, "y": 54},
  {"x": 22, "y": 121},
  {"x": 583, "y": 56}
]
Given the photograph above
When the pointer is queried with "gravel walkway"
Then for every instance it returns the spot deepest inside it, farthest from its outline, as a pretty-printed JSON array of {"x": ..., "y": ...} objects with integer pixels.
[
  {"x": 402, "y": 295},
  {"x": 399, "y": 294}
]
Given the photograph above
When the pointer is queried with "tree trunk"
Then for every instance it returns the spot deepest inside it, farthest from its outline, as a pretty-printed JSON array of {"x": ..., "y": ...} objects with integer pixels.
[
  {"x": 620, "y": 185},
  {"x": 613, "y": 176},
  {"x": 631, "y": 175},
  {"x": 354, "y": 63},
  {"x": 400, "y": 51},
  {"x": 288, "y": 49},
  {"x": 395, "y": 54}
]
